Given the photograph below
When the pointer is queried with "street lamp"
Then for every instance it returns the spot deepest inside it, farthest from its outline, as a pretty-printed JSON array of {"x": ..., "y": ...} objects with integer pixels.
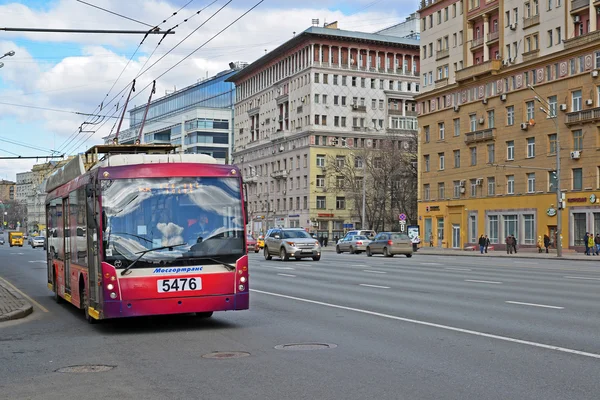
[{"x": 551, "y": 112}]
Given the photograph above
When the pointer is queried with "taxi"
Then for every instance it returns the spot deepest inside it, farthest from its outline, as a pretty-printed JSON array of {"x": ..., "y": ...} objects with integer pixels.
[{"x": 260, "y": 242}]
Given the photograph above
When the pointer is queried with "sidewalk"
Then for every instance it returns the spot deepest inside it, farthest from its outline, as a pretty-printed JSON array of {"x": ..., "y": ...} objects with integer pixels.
[
  {"x": 12, "y": 304},
  {"x": 526, "y": 253}
]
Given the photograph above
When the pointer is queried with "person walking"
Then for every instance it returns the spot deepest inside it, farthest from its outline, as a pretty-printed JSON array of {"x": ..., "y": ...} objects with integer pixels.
[
  {"x": 597, "y": 243},
  {"x": 326, "y": 240},
  {"x": 586, "y": 243},
  {"x": 546, "y": 242},
  {"x": 481, "y": 244},
  {"x": 487, "y": 243},
  {"x": 431, "y": 240},
  {"x": 514, "y": 242},
  {"x": 509, "y": 244},
  {"x": 591, "y": 244},
  {"x": 539, "y": 244}
]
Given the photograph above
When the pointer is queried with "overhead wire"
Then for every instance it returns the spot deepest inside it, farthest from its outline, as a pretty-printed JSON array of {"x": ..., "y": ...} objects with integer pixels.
[{"x": 114, "y": 13}]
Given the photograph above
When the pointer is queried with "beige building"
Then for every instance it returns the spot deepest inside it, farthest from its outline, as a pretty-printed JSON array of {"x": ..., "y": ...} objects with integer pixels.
[
  {"x": 7, "y": 190},
  {"x": 326, "y": 93},
  {"x": 489, "y": 137}
]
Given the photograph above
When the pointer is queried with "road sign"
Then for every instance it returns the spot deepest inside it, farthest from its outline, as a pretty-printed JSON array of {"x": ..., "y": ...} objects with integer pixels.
[
  {"x": 402, "y": 226},
  {"x": 402, "y": 217}
]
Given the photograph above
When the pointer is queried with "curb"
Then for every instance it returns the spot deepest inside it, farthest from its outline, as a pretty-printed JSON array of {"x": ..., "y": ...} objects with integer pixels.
[{"x": 22, "y": 312}]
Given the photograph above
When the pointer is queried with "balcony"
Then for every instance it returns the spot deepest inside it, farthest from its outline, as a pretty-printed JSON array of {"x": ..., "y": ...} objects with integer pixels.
[
  {"x": 531, "y": 55},
  {"x": 582, "y": 40},
  {"x": 251, "y": 180},
  {"x": 277, "y": 135},
  {"x": 441, "y": 83},
  {"x": 410, "y": 113},
  {"x": 442, "y": 54},
  {"x": 359, "y": 129},
  {"x": 254, "y": 111},
  {"x": 531, "y": 21},
  {"x": 299, "y": 110},
  {"x": 583, "y": 116},
  {"x": 492, "y": 36},
  {"x": 477, "y": 42},
  {"x": 391, "y": 111},
  {"x": 490, "y": 67},
  {"x": 356, "y": 107},
  {"x": 577, "y": 4},
  {"x": 281, "y": 174},
  {"x": 480, "y": 136}
]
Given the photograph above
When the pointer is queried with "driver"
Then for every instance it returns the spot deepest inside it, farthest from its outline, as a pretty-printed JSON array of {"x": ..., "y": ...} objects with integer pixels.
[{"x": 198, "y": 229}]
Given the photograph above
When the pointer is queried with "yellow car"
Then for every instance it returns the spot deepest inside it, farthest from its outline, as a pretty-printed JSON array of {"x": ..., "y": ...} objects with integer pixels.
[{"x": 261, "y": 242}]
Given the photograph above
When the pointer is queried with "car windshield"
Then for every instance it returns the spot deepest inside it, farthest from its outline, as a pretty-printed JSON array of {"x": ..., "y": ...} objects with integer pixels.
[
  {"x": 199, "y": 217},
  {"x": 296, "y": 235},
  {"x": 400, "y": 236}
]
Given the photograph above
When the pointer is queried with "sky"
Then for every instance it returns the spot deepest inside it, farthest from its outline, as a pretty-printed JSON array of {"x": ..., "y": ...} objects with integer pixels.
[{"x": 54, "y": 79}]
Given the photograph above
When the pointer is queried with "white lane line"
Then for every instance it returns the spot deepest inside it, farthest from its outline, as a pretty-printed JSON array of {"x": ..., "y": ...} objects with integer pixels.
[
  {"x": 19, "y": 254},
  {"x": 374, "y": 286},
  {"x": 291, "y": 276},
  {"x": 582, "y": 277},
  {"x": 458, "y": 269},
  {"x": 434, "y": 325},
  {"x": 525, "y": 262},
  {"x": 38, "y": 261},
  {"x": 475, "y": 281},
  {"x": 374, "y": 272},
  {"x": 359, "y": 265},
  {"x": 270, "y": 266},
  {"x": 535, "y": 305},
  {"x": 429, "y": 263}
]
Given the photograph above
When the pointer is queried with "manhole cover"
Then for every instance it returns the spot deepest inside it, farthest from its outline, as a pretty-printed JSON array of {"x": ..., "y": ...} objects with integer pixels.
[
  {"x": 84, "y": 369},
  {"x": 306, "y": 346},
  {"x": 226, "y": 354}
]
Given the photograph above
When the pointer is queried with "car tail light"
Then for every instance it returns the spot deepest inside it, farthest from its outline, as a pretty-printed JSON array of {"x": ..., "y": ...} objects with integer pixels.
[
  {"x": 111, "y": 284},
  {"x": 390, "y": 242},
  {"x": 359, "y": 243},
  {"x": 242, "y": 274}
]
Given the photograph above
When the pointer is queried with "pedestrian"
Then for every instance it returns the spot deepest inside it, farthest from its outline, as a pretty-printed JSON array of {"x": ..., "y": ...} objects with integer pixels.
[
  {"x": 546, "y": 242},
  {"x": 514, "y": 242},
  {"x": 487, "y": 243},
  {"x": 325, "y": 240},
  {"x": 597, "y": 243},
  {"x": 591, "y": 244},
  {"x": 431, "y": 240},
  {"x": 539, "y": 244},
  {"x": 481, "y": 244},
  {"x": 335, "y": 239},
  {"x": 586, "y": 243},
  {"x": 509, "y": 244}
]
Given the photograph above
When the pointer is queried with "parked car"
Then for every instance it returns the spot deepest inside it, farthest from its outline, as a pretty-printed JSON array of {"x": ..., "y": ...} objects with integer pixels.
[
  {"x": 1, "y": 239},
  {"x": 354, "y": 244},
  {"x": 291, "y": 242},
  {"x": 364, "y": 232},
  {"x": 389, "y": 244},
  {"x": 38, "y": 241},
  {"x": 251, "y": 244}
]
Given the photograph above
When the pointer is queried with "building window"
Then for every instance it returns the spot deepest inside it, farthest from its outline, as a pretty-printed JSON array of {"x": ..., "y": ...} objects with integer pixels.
[
  {"x": 491, "y": 153},
  {"x": 510, "y": 184},
  {"x": 321, "y": 202},
  {"x": 336, "y": 121},
  {"x": 456, "y": 186},
  {"x": 552, "y": 181},
  {"x": 510, "y": 150},
  {"x": 442, "y": 130},
  {"x": 552, "y": 143},
  {"x": 472, "y": 228},
  {"x": 426, "y": 129},
  {"x": 339, "y": 182},
  {"x": 456, "y": 158},
  {"x": 491, "y": 116},
  {"x": 473, "y": 151},
  {"x": 353, "y": 81},
  {"x": 579, "y": 228},
  {"x": 457, "y": 126},
  {"x": 320, "y": 160},
  {"x": 578, "y": 140},
  {"x": 344, "y": 83},
  {"x": 340, "y": 161},
  {"x": 317, "y": 119},
  {"x": 491, "y": 187},
  {"x": 442, "y": 161},
  {"x": 316, "y": 77},
  {"x": 343, "y": 100},
  {"x": 343, "y": 121},
  {"x": 425, "y": 159},
  {"x": 510, "y": 115},
  {"x": 530, "y": 147},
  {"x": 530, "y": 105},
  {"x": 441, "y": 191},
  {"x": 473, "y": 122},
  {"x": 558, "y": 35},
  {"x": 577, "y": 178},
  {"x": 576, "y": 100},
  {"x": 320, "y": 182},
  {"x": 325, "y": 80},
  {"x": 493, "y": 228},
  {"x": 426, "y": 192},
  {"x": 552, "y": 101},
  {"x": 511, "y": 225},
  {"x": 531, "y": 183},
  {"x": 529, "y": 225},
  {"x": 473, "y": 184},
  {"x": 335, "y": 79},
  {"x": 340, "y": 203},
  {"x": 317, "y": 98}
]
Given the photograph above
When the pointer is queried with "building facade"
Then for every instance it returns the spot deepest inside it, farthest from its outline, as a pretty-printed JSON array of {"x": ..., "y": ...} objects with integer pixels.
[
  {"x": 7, "y": 190},
  {"x": 199, "y": 118},
  {"x": 489, "y": 134},
  {"x": 324, "y": 95},
  {"x": 409, "y": 29}
]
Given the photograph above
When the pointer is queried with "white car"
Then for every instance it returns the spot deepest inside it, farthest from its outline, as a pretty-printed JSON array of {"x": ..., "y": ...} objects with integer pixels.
[{"x": 38, "y": 241}]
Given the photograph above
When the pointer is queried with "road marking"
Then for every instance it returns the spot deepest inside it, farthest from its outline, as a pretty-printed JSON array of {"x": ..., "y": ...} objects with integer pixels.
[
  {"x": 475, "y": 281},
  {"x": 38, "y": 261},
  {"x": 41, "y": 307},
  {"x": 582, "y": 277},
  {"x": 434, "y": 325},
  {"x": 375, "y": 272},
  {"x": 535, "y": 305},
  {"x": 458, "y": 269},
  {"x": 20, "y": 254},
  {"x": 429, "y": 263},
  {"x": 269, "y": 266},
  {"x": 374, "y": 286},
  {"x": 359, "y": 265},
  {"x": 291, "y": 276},
  {"x": 525, "y": 262}
]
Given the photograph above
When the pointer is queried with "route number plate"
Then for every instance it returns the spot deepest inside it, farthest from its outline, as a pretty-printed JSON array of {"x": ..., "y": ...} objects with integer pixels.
[{"x": 179, "y": 285}]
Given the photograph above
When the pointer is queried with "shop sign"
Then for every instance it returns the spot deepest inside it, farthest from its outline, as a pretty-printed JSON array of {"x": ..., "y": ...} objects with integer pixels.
[
  {"x": 593, "y": 198},
  {"x": 294, "y": 216},
  {"x": 551, "y": 212},
  {"x": 577, "y": 200},
  {"x": 432, "y": 208},
  {"x": 325, "y": 215}
]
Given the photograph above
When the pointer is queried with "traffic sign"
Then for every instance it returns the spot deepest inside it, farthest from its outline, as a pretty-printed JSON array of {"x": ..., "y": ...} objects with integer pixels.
[
  {"x": 402, "y": 217},
  {"x": 402, "y": 226}
]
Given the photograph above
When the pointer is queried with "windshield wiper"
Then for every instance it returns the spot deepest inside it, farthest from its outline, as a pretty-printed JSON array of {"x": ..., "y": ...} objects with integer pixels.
[
  {"x": 135, "y": 236},
  {"x": 142, "y": 253},
  {"x": 230, "y": 267}
]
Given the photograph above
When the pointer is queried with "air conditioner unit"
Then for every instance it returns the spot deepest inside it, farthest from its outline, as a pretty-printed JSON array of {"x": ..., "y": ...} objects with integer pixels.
[
  {"x": 481, "y": 121},
  {"x": 594, "y": 74},
  {"x": 513, "y": 26},
  {"x": 324, "y": 189},
  {"x": 354, "y": 106},
  {"x": 503, "y": 97},
  {"x": 577, "y": 19},
  {"x": 563, "y": 107},
  {"x": 462, "y": 189},
  {"x": 281, "y": 148},
  {"x": 462, "y": 183},
  {"x": 524, "y": 126},
  {"x": 506, "y": 62},
  {"x": 589, "y": 102},
  {"x": 484, "y": 101},
  {"x": 456, "y": 108},
  {"x": 479, "y": 182},
  {"x": 575, "y": 155}
]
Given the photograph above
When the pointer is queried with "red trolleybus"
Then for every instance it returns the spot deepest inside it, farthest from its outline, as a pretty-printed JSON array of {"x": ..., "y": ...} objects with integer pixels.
[{"x": 145, "y": 231}]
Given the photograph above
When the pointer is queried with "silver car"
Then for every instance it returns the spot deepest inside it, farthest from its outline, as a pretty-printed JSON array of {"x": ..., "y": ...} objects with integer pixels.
[
  {"x": 291, "y": 242},
  {"x": 38, "y": 241},
  {"x": 354, "y": 244}
]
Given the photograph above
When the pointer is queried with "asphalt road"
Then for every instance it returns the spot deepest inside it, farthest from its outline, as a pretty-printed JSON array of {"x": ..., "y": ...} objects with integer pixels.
[{"x": 429, "y": 327}]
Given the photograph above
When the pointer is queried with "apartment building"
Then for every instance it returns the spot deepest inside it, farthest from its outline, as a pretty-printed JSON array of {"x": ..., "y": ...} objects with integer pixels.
[
  {"x": 325, "y": 94},
  {"x": 7, "y": 190},
  {"x": 488, "y": 138}
]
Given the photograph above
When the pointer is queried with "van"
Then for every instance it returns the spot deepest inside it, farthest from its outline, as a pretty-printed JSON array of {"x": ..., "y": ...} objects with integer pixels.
[{"x": 15, "y": 239}]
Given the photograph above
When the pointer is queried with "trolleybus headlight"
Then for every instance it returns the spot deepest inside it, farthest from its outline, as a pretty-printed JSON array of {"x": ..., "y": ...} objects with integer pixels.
[
  {"x": 241, "y": 287},
  {"x": 243, "y": 279},
  {"x": 110, "y": 286},
  {"x": 113, "y": 278},
  {"x": 113, "y": 295}
]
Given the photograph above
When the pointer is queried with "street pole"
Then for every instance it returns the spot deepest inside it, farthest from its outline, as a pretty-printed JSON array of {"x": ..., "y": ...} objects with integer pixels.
[
  {"x": 551, "y": 112},
  {"x": 364, "y": 196}
]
